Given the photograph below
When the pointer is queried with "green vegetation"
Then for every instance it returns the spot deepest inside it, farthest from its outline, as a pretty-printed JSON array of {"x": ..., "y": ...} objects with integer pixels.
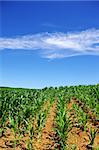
[
  {"x": 23, "y": 112},
  {"x": 63, "y": 125}
]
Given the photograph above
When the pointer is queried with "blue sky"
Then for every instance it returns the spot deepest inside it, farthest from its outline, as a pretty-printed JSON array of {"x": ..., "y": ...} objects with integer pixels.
[{"x": 49, "y": 43}]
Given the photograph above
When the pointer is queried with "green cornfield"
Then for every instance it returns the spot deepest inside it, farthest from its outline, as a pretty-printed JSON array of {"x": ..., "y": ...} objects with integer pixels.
[{"x": 59, "y": 118}]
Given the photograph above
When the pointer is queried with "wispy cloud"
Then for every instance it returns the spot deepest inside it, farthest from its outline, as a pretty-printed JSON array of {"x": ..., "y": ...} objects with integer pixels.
[{"x": 56, "y": 45}]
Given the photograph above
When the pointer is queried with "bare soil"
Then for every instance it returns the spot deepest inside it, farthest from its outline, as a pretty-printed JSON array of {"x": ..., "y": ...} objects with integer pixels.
[{"x": 46, "y": 142}]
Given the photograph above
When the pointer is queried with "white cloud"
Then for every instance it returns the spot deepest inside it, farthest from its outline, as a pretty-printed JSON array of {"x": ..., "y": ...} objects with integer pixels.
[{"x": 56, "y": 45}]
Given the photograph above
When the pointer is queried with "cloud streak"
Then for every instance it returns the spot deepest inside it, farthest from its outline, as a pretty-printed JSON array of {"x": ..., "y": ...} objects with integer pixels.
[{"x": 56, "y": 45}]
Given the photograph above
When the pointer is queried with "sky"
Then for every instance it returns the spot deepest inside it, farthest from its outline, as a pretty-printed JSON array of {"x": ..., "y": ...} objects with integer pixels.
[{"x": 49, "y": 43}]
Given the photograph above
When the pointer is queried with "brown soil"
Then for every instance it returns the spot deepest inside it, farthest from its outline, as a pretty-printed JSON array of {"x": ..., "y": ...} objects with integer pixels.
[
  {"x": 78, "y": 138},
  {"x": 7, "y": 141},
  {"x": 46, "y": 142}
]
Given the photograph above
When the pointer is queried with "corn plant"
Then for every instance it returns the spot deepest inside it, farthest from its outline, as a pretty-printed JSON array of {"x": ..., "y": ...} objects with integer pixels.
[
  {"x": 41, "y": 118},
  {"x": 63, "y": 125},
  {"x": 82, "y": 117},
  {"x": 92, "y": 134},
  {"x": 31, "y": 132},
  {"x": 14, "y": 128},
  {"x": 3, "y": 125}
]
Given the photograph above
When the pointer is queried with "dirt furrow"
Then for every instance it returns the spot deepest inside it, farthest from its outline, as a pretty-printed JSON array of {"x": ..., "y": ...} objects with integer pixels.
[{"x": 46, "y": 142}]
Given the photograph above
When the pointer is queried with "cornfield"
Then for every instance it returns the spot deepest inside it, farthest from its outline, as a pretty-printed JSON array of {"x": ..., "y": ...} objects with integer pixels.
[{"x": 60, "y": 118}]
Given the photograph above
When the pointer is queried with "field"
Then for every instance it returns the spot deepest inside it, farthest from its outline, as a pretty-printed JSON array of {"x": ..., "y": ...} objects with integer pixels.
[{"x": 64, "y": 118}]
